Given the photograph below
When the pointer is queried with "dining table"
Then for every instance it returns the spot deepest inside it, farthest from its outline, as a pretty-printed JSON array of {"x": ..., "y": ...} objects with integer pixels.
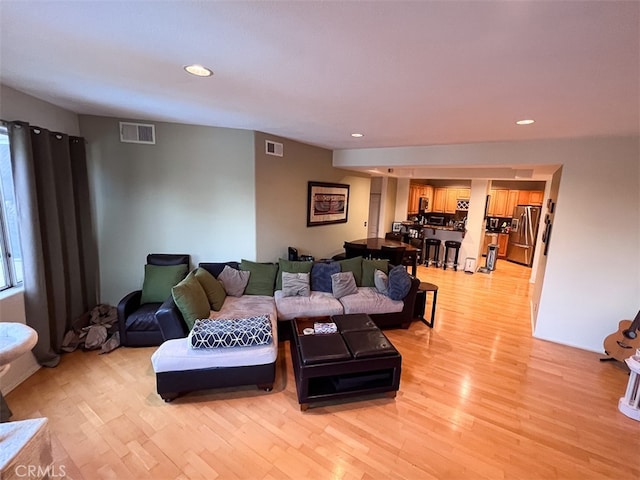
[{"x": 373, "y": 247}]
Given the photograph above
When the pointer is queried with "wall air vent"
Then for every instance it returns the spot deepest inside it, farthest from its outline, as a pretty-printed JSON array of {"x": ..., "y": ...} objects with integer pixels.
[
  {"x": 137, "y": 133},
  {"x": 273, "y": 148}
]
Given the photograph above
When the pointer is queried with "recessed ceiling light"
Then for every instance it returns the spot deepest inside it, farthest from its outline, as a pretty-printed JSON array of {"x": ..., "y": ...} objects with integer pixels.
[
  {"x": 357, "y": 135},
  {"x": 525, "y": 122},
  {"x": 198, "y": 70}
]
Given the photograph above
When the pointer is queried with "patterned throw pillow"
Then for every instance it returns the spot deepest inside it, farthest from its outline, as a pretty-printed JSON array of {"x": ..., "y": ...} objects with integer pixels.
[
  {"x": 231, "y": 332},
  {"x": 399, "y": 283}
]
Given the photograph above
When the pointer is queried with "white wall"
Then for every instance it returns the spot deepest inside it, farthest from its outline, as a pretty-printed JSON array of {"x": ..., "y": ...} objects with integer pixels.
[
  {"x": 474, "y": 238},
  {"x": 15, "y": 105},
  {"x": 592, "y": 277},
  {"x": 192, "y": 192},
  {"x": 402, "y": 199},
  {"x": 281, "y": 201}
]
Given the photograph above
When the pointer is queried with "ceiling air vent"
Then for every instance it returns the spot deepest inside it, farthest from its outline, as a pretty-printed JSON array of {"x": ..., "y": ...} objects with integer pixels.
[
  {"x": 137, "y": 133},
  {"x": 273, "y": 148}
]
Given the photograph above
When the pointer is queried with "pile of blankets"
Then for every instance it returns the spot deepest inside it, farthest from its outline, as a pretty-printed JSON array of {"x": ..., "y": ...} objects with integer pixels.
[{"x": 96, "y": 329}]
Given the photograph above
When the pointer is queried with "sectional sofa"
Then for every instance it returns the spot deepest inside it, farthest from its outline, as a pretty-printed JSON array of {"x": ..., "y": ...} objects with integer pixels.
[{"x": 180, "y": 368}]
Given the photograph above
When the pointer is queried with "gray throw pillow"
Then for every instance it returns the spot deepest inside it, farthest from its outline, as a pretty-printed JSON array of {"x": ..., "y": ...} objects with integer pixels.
[
  {"x": 291, "y": 267},
  {"x": 295, "y": 284},
  {"x": 381, "y": 281},
  {"x": 343, "y": 283},
  {"x": 234, "y": 281}
]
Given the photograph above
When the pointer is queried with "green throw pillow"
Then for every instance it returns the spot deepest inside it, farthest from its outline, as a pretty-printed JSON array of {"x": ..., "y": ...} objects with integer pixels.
[
  {"x": 369, "y": 268},
  {"x": 290, "y": 266},
  {"x": 353, "y": 265},
  {"x": 212, "y": 288},
  {"x": 158, "y": 280},
  {"x": 262, "y": 279},
  {"x": 191, "y": 300}
]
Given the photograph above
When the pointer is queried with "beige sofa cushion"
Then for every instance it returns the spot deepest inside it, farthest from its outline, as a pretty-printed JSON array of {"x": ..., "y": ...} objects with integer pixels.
[
  {"x": 368, "y": 300},
  {"x": 316, "y": 304}
]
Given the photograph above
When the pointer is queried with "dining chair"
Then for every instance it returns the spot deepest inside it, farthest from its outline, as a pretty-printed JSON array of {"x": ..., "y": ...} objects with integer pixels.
[
  {"x": 393, "y": 254},
  {"x": 397, "y": 236},
  {"x": 419, "y": 244},
  {"x": 354, "y": 249}
]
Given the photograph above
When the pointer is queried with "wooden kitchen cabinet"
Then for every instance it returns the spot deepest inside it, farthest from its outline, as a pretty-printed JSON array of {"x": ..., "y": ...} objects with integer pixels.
[
  {"x": 536, "y": 197},
  {"x": 416, "y": 192},
  {"x": 464, "y": 193},
  {"x": 503, "y": 244},
  {"x": 498, "y": 203},
  {"x": 502, "y": 239},
  {"x": 451, "y": 201},
  {"x": 530, "y": 197},
  {"x": 512, "y": 202},
  {"x": 414, "y": 200},
  {"x": 439, "y": 199},
  {"x": 523, "y": 197}
]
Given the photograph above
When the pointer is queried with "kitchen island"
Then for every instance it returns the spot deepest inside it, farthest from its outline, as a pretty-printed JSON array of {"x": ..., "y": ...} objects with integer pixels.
[{"x": 433, "y": 228}]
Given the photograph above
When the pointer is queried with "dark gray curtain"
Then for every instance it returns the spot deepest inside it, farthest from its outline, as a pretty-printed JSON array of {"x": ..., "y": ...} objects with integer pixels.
[{"x": 58, "y": 247}]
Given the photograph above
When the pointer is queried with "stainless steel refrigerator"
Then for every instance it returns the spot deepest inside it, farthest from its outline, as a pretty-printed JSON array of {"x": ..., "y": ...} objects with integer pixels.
[{"x": 522, "y": 237}]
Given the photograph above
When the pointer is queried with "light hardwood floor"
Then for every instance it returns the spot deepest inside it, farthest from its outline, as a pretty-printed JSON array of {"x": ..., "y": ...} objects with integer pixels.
[{"x": 479, "y": 399}]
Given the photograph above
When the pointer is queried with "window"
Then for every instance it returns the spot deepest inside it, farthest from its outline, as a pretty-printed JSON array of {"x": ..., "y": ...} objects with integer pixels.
[{"x": 10, "y": 254}]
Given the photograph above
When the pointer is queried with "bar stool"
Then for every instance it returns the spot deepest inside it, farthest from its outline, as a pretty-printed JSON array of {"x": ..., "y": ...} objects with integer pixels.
[
  {"x": 428, "y": 243},
  {"x": 455, "y": 245}
]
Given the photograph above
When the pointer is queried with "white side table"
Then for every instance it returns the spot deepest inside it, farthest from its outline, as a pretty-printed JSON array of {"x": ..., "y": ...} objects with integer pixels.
[{"x": 630, "y": 403}]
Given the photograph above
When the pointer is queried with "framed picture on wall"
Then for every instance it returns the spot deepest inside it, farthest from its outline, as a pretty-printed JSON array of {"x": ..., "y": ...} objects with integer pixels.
[{"x": 327, "y": 203}]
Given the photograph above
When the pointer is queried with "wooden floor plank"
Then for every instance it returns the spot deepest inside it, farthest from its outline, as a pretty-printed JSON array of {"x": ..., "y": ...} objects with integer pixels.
[{"x": 479, "y": 398}]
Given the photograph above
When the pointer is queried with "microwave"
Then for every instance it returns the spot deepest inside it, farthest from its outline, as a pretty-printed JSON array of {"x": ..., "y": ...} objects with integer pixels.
[{"x": 437, "y": 220}]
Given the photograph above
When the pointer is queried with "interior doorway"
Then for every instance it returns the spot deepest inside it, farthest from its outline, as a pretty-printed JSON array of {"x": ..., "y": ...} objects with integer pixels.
[{"x": 374, "y": 215}]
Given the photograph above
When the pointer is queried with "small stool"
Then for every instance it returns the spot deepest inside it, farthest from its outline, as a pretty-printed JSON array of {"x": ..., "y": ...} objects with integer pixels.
[
  {"x": 455, "y": 245},
  {"x": 421, "y": 298},
  {"x": 428, "y": 243}
]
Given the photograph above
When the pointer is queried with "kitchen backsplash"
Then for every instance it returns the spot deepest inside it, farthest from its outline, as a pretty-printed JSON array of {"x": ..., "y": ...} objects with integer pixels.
[{"x": 497, "y": 224}]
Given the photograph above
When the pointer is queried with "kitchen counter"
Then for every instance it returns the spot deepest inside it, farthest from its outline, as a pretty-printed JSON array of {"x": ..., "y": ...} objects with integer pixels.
[{"x": 443, "y": 228}]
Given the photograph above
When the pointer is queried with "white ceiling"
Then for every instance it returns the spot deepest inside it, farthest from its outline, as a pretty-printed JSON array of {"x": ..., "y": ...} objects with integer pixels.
[{"x": 402, "y": 73}]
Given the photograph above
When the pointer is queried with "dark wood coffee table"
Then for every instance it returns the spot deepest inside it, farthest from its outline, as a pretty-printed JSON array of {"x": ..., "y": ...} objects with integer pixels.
[{"x": 357, "y": 360}]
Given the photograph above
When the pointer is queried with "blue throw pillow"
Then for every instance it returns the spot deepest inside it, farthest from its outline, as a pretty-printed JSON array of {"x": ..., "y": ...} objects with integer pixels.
[
  {"x": 321, "y": 276},
  {"x": 399, "y": 283}
]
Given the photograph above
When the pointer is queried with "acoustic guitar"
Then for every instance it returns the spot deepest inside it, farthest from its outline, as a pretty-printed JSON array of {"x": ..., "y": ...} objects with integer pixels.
[{"x": 623, "y": 343}]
